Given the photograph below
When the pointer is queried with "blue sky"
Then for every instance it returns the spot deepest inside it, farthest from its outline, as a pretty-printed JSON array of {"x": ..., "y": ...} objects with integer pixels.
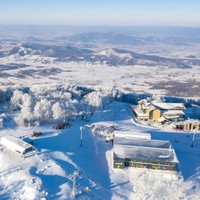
[{"x": 101, "y": 12}]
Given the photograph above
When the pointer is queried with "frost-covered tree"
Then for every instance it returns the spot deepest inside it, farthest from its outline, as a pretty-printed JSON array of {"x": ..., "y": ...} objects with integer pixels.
[
  {"x": 98, "y": 99},
  {"x": 4, "y": 118},
  {"x": 71, "y": 109},
  {"x": 16, "y": 99},
  {"x": 25, "y": 118},
  {"x": 27, "y": 108},
  {"x": 116, "y": 94},
  {"x": 94, "y": 101},
  {"x": 196, "y": 111},
  {"x": 59, "y": 103},
  {"x": 43, "y": 110},
  {"x": 106, "y": 97},
  {"x": 5, "y": 93},
  {"x": 81, "y": 108},
  {"x": 59, "y": 112}
]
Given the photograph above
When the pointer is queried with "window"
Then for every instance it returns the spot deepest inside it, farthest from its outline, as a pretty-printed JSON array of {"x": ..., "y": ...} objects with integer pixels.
[{"x": 28, "y": 150}]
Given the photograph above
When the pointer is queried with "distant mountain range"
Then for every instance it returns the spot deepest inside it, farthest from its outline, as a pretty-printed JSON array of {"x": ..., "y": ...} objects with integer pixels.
[
  {"x": 109, "y": 56},
  {"x": 122, "y": 39},
  {"x": 109, "y": 48}
]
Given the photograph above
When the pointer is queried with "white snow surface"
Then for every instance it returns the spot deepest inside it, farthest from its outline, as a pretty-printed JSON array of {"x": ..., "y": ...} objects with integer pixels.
[
  {"x": 49, "y": 174},
  {"x": 133, "y": 78},
  {"x": 111, "y": 52}
]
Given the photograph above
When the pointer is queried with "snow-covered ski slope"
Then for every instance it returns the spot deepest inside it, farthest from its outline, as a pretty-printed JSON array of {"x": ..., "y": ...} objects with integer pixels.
[{"x": 60, "y": 158}]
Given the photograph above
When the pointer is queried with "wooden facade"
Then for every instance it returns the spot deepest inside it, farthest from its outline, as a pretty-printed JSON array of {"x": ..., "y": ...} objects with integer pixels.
[{"x": 154, "y": 115}]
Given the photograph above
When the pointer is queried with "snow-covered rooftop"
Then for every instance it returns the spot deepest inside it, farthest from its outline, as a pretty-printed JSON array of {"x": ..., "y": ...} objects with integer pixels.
[
  {"x": 129, "y": 135},
  {"x": 143, "y": 143},
  {"x": 145, "y": 154},
  {"x": 174, "y": 112},
  {"x": 140, "y": 113},
  {"x": 162, "y": 119},
  {"x": 169, "y": 106},
  {"x": 12, "y": 141},
  {"x": 142, "y": 101},
  {"x": 151, "y": 107}
]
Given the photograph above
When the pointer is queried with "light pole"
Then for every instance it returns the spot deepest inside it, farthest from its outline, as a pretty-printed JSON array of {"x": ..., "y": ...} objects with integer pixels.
[
  {"x": 81, "y": 136},
  {"x": 193, "y": 138}
]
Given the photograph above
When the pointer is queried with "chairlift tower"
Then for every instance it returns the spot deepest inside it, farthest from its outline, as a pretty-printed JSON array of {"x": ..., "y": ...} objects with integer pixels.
[{"x": 73, "y": 179}]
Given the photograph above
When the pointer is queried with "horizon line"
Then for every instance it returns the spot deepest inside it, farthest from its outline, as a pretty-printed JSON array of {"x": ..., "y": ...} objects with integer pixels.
[{"x": 93, "y": 25}]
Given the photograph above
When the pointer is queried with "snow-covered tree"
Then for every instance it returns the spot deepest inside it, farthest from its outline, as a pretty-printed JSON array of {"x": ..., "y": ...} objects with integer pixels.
[
  {"x": 196, "y": 111},
  {"x": 60, "y": 103},
  {"x": 27, "y": 108},
  {"x": 16, "y": 99},
  {"x": 43, "y": 110},
  {"x": 26, "y": 116},
  {"x": 94, "y": 101},
  {"x": 81, "y": 108},
  {"x": 98, "y": 99},
  {"x": 59, "y": 111}
]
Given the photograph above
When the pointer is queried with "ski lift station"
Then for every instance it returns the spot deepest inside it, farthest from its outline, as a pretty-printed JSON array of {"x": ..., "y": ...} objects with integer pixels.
[
  {"x": 144, "y": 153},
  {"x": 17, "y": 145}
]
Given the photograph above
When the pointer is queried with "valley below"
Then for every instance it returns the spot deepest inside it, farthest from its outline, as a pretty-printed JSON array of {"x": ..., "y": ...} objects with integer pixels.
[
  {"x": 161, "y": 65},
  {"x": 136, "y": 78}
]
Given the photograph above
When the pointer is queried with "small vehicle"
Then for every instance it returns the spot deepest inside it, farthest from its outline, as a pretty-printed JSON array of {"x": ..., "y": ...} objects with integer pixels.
[
  {"x": 87, "y": 189},
  {"x": 62, "y": 126},
  {"x": 36, "y": 133},
  {"x": 109, "y": 138},
  {"x": 111, "y": 129}
]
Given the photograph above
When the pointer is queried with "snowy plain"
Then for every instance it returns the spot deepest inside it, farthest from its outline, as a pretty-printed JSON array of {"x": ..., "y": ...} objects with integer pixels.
[
  {"x": 48, "y": 175},
  {"x": 34, "y": 69}
]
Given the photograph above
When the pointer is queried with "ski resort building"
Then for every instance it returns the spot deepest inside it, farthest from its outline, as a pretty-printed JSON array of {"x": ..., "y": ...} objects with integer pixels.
[
  {"x": 143, "y": 153},
  {"x": 158, "y": 111},
  {"x": 17, "y": 145},
  {"x": 188, "y": 125}
]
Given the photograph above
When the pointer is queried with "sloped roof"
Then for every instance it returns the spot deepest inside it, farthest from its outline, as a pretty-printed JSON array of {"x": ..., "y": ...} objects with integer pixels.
[
  {"x": 169, "y": 106},
  {"x": 157, "y": 101},
  {"x": 151, "y": 107},
  {"x": 174, "y": 112},
  {"x": 14, "y": 143},
  {"x": 162, "y": 119},
  {"x": 145, "y": 154},
  {"x": 160, "y": 144},
  {"x": 142, "y": 101},
  {"x": 140, "y": 112}
]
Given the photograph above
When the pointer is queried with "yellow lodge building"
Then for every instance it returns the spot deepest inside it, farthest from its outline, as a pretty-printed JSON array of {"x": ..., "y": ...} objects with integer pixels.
[{"x": 158, "y": 111}]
